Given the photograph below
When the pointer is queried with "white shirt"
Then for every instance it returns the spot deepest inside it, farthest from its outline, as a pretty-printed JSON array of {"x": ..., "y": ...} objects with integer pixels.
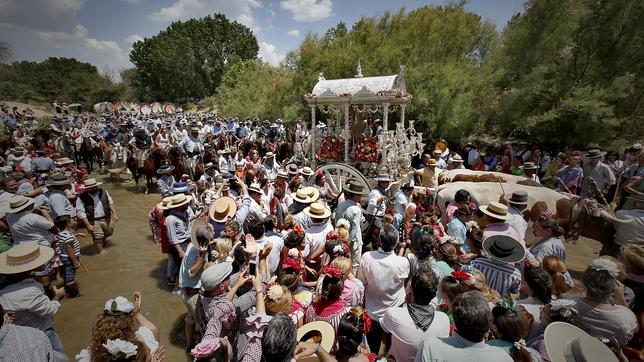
[
  {"x": 315, "y": 236},
  {"x": 457, "y": 348},
  {"x": 4, "y": 202},
  {"x": 376, "y": 209},
  {"x": 632, "y": 233},
  {"x": 518, "y": 223},
  {"x": 406, "y": 338},
  {"x": 26, "y": 226},
  {"x": 99, "y": 208},
  {"x": 383, "y": 275}
]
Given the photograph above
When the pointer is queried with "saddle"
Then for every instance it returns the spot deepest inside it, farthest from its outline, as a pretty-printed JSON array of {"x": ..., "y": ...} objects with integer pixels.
[{"x": 142, "y": 155}]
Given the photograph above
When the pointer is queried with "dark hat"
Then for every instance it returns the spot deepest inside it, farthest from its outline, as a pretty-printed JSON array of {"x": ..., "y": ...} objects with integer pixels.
[
  {"x": 519, "y": 198},
  {"x": 504, "y": 248},
  {"x": 180, "y": 187},
  {"x": 41, "y": 152},
  {"x": 165, "y": 168},
  {"x": 595, "y": 152},
  {"x": 355, "y": 187}
]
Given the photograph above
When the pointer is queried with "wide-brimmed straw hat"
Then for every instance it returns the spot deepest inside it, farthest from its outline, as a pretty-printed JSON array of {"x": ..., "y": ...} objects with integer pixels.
[
  {"x": 593, "y": 153},
  {"x": 355, "y": 187},
  {"x": 163, "y": 204},
  {"x": 529, "y": 166},
  {"x": 567, "y": 343},
  {"x": 18, "y": 203},
  {"x": 456, "y": 158},
  {"x": 165, "y": 168},
  {"x": 223, "y": 208},
  {"x": 306, "y": 171},
  {"x": 255, "y": 187},
  {"x": 496, "y": 210},
  {"x": 91, "y": 183},
  {"x": 208, "y": 165},
  {"x": 178, "y": 200},
  {"x": 504, "y": 248},
  {"x": 282, "y": 174},
  {"x": 58, "y": 179},
  {"x": 431, "y": 162},
  {"x": 319, "y": 332},
  {"x": 64, "y": 161},
  {"x": 312, "y": 192},
  {"x": 301, "y": 197},
  {"x": 24, "y": 257},
  {"x": 383, "y": 178},
  {"x": 519, "y": 197},
  {"x": 198, "y": 227},
  {"x": 269, "y": 154},
  {"x": 292, "y": 169},
  {"x": 317, "y": 211}
]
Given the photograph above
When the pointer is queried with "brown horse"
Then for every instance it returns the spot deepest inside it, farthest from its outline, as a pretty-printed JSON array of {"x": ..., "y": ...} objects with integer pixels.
[
  {"x": 149, "y": 169},
  {"x": 175, "y": 158}
]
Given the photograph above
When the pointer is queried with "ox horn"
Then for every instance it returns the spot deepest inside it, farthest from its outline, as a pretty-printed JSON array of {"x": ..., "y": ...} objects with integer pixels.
[{"x": 614, "y": 219}]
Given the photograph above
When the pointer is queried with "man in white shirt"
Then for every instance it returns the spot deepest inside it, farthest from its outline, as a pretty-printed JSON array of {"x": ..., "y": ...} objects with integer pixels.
[
  {"x": 473, "y": 320},
  {"x": 351, "y": 211},
  {"x": 599, "y": 172},
  {"x": 417, "y": 319},
  {"x": 633, "y": 232},
  {"x": 383, "y": 274},
  {"x": 517, "y": 203},
  {"x": 315, "y": 235}
]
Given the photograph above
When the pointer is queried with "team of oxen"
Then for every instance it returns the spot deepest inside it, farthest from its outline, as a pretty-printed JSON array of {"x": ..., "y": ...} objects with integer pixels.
[{"x": 576, "y": 215}]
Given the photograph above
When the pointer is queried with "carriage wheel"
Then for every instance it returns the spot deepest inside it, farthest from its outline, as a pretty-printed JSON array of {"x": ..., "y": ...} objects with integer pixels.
[{"x": 337, "y": 173}]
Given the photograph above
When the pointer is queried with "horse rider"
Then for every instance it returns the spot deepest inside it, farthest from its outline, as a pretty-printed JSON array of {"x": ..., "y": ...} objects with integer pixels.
[
  {"x": 140, "y": 143},
  {"x": 179, "y": 132},
  {"x": 217, "y": 129},
  {"x": 113, "y": 136},
  {"x": 58, "y": 125},
  {"x": 273, "y": 133},
  {"x": 191, "y": 144}
]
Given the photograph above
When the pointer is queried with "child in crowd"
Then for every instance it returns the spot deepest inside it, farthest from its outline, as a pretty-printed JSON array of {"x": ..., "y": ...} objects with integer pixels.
[{"x": 69, "y": 247}]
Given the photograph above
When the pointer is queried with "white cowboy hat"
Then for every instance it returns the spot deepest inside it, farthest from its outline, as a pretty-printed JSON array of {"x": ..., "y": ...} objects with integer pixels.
[
  {"x": 178, "y": 200},
  {"x": 18, "y": 203},
  {"x": 91, "y": 183},
  {"x": 24, "y": 257},
  {"x": 317, "y": 211},
  {"x": 269, "y": 154},
  {"x": 222, "y": 209},
  {"x": 496, "y": 210},
  {"x": 567, "y": 343}
]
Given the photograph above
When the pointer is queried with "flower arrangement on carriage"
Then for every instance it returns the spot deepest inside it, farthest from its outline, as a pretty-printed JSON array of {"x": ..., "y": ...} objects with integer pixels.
[
  {"x": 331, "y": 148},
  {"x": 366, "y": 149}
]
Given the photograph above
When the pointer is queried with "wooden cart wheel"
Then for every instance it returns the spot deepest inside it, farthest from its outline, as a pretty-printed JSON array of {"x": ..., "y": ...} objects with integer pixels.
[{"x": 337, "y": 173}]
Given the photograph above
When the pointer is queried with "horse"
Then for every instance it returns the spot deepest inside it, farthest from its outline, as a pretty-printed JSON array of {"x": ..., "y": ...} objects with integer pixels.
[
  {"x": 116, "y": 159},
  {"x": 175, "y": 158},
  {"x": 85, "y": 152},
  {"x": 65, "y": 146},
  {"x": 149, "y": 169},
  {"x": 284, "y": 152}
]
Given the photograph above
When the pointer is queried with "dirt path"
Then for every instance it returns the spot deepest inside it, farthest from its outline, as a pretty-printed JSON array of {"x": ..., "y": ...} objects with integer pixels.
[{"x": 133, "y": 263}]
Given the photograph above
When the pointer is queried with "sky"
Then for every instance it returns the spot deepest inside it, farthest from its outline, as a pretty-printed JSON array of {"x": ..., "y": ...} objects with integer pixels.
[{"x": 101, "y": 32}]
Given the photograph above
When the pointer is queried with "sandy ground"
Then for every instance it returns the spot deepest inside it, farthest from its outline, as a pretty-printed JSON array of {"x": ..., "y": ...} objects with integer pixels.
[
  {"x": 38, "y": 111},
  {"x": 134, "y": 263}
]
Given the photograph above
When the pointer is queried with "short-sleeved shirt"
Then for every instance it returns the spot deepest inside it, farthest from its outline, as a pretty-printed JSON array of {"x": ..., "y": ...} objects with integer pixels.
[
  {"x": 185, "y": 280},
  {"x": 602, "y": 175},
  {"x": 67, "y": 237},
  {"x": 383, "y": 275},
  {"x": 59, "y": 204},
  {"x": 177, "y": 225},
  {"x": 457, "y": 348},
  {"x": 631, "y": 233},
  {"x": 99, "y": 208},
  {"x": 26, "y": 226},
  {"x": 502, "y": 277}
]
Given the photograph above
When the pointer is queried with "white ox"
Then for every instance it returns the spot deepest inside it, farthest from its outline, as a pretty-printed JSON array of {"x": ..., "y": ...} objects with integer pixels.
[{"x": 456, "y": 175}]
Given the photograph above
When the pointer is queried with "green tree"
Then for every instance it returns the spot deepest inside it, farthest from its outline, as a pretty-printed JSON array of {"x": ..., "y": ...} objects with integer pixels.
[{"x": 189, "y": 58}]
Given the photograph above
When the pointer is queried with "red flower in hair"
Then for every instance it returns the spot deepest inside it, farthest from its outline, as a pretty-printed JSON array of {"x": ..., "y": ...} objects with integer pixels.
[
  {"x": 298, "y": 230},
  {"x": 462, "y": 276},
  {"x": 545, "y": 215},
  {"x": 292, "y": 264},
  {"x": 332, "y": 271},
  {"x": 332, "y": 235},
  {"x": 366, "y": 321}
]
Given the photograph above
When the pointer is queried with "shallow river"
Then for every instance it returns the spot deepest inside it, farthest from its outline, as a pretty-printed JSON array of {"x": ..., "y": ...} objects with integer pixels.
[{"x": 134, "y": 263}]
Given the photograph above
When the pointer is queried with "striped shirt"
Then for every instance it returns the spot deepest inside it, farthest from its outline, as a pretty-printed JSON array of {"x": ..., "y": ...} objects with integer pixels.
[
  {"x": 502, "y": 277},
  {"x": 67, "y": 237}
]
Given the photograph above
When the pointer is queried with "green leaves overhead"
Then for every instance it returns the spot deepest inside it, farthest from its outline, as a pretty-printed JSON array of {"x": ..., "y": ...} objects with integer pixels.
[{"x": 188, "y": 59}]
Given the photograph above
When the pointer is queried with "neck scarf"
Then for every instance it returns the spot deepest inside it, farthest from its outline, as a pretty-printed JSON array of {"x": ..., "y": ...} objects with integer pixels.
[{"x": 422, "y": 315}]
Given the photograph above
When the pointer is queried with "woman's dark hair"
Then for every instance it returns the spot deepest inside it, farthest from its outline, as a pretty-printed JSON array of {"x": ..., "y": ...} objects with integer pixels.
[
  {"x": 475, "y": 236},
  {"x": 350, "y": 332},
  {"x": 451, "y": 288},
  {"x": 331, "y": 288},
  {"x": 256, "y": 229},
  {"x": 511, "y": 328},
  {"x": 293, "y": 240},
  {"x": 540, "y": 282},
  {"x": 552, "y": 225},
  {"x": 279, "y": 192},
  {"x": 448, "y": 252},
  {"x": 388, "y": 237},
  {"x": 269, "y": 224},
  {"x": 318, "y": 177},
  {"x": 329, "y": 245},
  {"x": 279, "y": 339},
  {"x": 263, "y": 182},
  {"x": 289, "y": 278},
  {"x": 472, "y": 315},
  {"x": 294, "y": 184},
  {"x": 423, "y": 244},
  {"x": 599, "y": 284},
  {"x": 461, "y": 196},
  {"x": 240, "y": 257},
  {"x": 424, "y": 285},
  {"x": 61, "y": 222}
]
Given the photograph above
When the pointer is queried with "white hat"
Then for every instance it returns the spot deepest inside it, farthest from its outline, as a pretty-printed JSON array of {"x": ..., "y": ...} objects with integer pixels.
[
  {"x": 567, "y": 343},
  {"x": 496, "y": 210},
  {"x": 18, "y": 203}
]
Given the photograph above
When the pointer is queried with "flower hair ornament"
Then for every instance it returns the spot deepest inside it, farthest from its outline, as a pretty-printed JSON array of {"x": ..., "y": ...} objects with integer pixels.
[
  {"x": 274, "y": 292},
  {"x": 332, "y": 271},
  {"x": 120, "y": 349},
  {"x": 343, "y": 223},
  {"x": 606, "y": 265},
  {"x": 341, "y": 250},
  {"x": 332, "y": 235},
  {"x": 297, "y": 229},
  {"x": 507, "y": 303},
  {"x": 520, "y": 344},
  {"x": 461, "y": 276},
  {"x": 366, "y": 322},
  {"x": 531, "y": 263},
  {"x": 290, "y": 263},
  {"x": 293, "y": 253},
  {"x": 545, "y": 215},
  {"x": 118, "y": 306},
  {"x": 564, "y": 307}
]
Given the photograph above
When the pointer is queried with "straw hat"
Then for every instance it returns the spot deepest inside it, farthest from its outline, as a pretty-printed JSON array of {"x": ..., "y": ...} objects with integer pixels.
[
  {"x": 306, "y": 171},
  {"x": 567, "y": 343},
  {"x": 320, "y": 332},
  {"x": 292, "y": 169},
  {"x": 222, "y": 209},
  {"x": 317, "y": 211},
  {"x": 504, "y": 248},
  {"x": 312, "y": 192},
  {"x": 91, "y": 183},
  {"x": 269, "y": 154},
  {"x": 199, "y": 226},
  {"x": 383, "y": 178},
  {"x": 24, "y": 257},
  {"x": 593, "y": 153},
  {"x": 208, "y": 165},
  {"x": 529, "y": 166},
  {"x": 64, "y": 161},
  {"x": 58, "y": 179},
  {"x": 18, "y": 203},
  {"x": 431, "y": 162},
  {"x": 163, "y": 204},
  {"x": 456, "y": 158},
  {"x": 302, "y": 197},
  {"x": 496, "y": 210},
  {"x": 178, "y": 200},
  {"x": 282, "y": 174},
  {"x": 254, "y": 187}
]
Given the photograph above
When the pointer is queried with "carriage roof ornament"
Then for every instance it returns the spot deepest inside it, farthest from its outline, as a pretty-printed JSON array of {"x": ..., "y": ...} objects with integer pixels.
[{"x": 359, "y": 70}]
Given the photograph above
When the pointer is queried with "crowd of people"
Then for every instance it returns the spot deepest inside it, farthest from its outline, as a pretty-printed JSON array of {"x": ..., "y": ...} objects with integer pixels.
[{"x": 274, "y": 264}]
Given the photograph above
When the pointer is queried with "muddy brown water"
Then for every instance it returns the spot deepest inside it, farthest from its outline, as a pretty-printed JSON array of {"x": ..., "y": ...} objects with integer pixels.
[{"x": 134, "y": 263}]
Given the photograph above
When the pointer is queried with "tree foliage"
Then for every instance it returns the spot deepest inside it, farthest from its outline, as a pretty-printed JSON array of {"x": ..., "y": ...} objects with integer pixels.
[
  {"x": 63, "y": 79},
  {"x": 189, "y": 58}
]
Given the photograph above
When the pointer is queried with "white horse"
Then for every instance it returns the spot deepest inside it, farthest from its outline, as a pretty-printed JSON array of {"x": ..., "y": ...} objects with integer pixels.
[{"x": 117, "y": 160}]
